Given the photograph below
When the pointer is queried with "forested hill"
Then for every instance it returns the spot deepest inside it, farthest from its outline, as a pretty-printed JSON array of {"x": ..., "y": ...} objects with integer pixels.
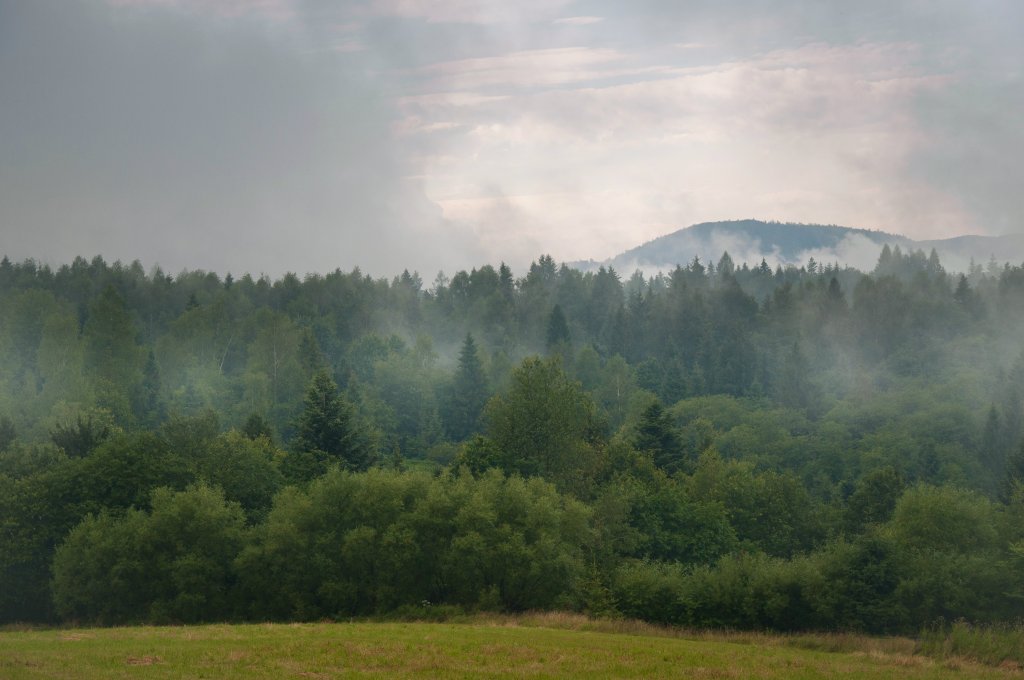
[
  {"x": 790, "y": 243},
  {"x": 719, "y": 445}
]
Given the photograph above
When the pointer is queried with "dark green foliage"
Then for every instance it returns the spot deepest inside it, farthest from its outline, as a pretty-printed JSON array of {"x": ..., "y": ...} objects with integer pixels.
[
  {"x": 190, "y": 436},
  {"x": 468, "y": 393},
  {"x": 256, "y": 426},
  {"x": 173, "y": 564},
  {"x": 364, "y": 544},
  {"x": 558, "y": 329},
  {"x": 478, "y": 455},
  {"x": 545, "y": 425},
  {"x": 149, "y": 408},
  {"x": 246, "y": 470},
  {"x": 79, "y": 439},
  {"x": 860, "y": 585},
  {"x": 7, "y": 433},
  {"x": 327, "y": 433},
  {"x": 657, "y": 436},
  {"x": 874, "y": 498},
  {"x": 821, "y": 460}
]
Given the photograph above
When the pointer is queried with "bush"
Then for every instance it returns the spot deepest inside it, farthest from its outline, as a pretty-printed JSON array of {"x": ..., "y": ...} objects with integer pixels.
[
  {"x": 365, "y": 544},
  {"x": 173, "y": 564}
]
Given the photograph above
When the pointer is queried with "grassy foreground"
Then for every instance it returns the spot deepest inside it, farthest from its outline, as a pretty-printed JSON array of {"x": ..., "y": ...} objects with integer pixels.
[{"x": 527, "y": 646}]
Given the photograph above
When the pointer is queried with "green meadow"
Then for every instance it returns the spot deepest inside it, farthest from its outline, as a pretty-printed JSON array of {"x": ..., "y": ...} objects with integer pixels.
[{"x": 554, "y": 645}]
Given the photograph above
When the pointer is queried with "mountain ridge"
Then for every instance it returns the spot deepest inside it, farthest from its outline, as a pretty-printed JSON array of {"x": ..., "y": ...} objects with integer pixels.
[{"x": 784, "y": 243}]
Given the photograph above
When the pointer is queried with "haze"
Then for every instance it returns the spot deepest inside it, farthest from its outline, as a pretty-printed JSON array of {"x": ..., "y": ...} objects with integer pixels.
[{"x": 290, "y": 135}]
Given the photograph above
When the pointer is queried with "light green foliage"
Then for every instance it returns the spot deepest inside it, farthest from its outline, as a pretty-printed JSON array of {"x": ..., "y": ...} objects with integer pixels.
[
  {"x": 954, "y": 554},
  {"x": 112, "y": 356},
  {"x": 274, "y": 374},
  {"x": 529, "y": 646},
  {"x": 944, "y": 519},
  {"x": 408, "y": 412}
]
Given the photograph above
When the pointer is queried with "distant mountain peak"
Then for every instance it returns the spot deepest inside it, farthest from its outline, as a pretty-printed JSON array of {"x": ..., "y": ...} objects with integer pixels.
[{"x": 752, "y": 240}]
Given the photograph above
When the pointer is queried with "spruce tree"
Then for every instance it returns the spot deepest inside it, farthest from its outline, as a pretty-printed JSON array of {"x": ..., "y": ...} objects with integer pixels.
[
  {"x": 655, "y": 434},
  {"x": 468, "y": 392},
  {"x": 558, "y": 329},
  {"x": 328, "y": 432}
]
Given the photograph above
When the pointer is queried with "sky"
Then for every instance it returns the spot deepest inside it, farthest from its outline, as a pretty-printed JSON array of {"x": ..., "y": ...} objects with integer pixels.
[{"x": 267, "y": 136}]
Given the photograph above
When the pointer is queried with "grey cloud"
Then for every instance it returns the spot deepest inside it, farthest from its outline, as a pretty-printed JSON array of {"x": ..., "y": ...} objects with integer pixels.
[{"x": 157, "y": 135}]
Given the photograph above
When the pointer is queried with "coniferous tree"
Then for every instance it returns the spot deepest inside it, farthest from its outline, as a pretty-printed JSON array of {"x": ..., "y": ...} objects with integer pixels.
[
  {"x": 256, "y": 426},
  {"x": 992, "y": 450},
  {"x": 468, "y": 392},
  {"x": 79, "y": 439},
  {"x": 657, "y": 435},
  {"x": 328, "y": 431},
  {"x": 791, "y": 386},
  {"x": 148, "y": 407},
  {"x": 558, "y": 329}
]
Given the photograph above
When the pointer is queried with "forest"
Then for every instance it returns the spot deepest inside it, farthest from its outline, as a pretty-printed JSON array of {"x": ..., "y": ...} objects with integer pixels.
[{"x": 725, "y": 445}]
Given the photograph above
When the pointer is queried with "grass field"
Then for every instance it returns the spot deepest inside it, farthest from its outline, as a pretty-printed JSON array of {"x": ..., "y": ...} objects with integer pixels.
[{"x": 527, "y": 646}]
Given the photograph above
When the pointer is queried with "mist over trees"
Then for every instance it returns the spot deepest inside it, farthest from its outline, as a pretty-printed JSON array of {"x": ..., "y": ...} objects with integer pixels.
[{"x": 724, "y": 444}]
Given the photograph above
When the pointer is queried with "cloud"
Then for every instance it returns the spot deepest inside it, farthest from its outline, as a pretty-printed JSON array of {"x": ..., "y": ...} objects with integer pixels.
[
  {"x": 303, "y": 134},
  {"x": 167, "y": 139},
  {"x": 471, "y": 11},
  {"x": 578, "y": 21},
  {"x": 280, "y": 10},
  {"x": 526, "y": 69},
  {"x": 819, "y": 133}
]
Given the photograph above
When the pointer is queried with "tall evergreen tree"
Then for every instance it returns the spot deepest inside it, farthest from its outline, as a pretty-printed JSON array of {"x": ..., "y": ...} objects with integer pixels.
[
  {"x": 327, "y": 432},
  {"x": 655, "y": 434},
  {"x": 468, "y": 393},
  {"x": 79, "y": 439},
  {"x": 148, "y": 407},
  {"x": 558, "y": 329}
]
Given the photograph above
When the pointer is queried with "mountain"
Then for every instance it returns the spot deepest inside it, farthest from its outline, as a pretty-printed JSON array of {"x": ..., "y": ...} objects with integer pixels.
[{"x": 789, "y": 243}]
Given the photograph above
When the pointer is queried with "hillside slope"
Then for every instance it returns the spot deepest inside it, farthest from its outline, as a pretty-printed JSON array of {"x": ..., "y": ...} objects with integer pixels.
[{"x": 790, "y": 243}]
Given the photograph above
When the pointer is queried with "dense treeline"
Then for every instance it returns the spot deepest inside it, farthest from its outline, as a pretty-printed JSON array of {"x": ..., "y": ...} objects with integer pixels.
[{"x": 722, "y": 445}]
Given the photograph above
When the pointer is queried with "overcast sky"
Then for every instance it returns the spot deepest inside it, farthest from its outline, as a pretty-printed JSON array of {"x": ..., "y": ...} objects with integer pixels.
[{"x": 306, "y": 135}]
